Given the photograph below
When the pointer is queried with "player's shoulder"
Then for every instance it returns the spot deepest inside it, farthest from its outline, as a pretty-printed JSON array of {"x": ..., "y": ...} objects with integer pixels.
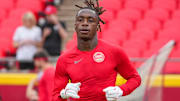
[
  {"x": 110, "y": 46},
  {"x": 68, "y": 53}
]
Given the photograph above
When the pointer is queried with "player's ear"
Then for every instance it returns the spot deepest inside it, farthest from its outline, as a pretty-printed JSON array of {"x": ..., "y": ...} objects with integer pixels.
[{"x": 97, "y": 29}]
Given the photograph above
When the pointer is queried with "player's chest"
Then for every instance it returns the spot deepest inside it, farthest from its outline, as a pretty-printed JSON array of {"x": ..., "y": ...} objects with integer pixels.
[{"x": 94, "y": 65}]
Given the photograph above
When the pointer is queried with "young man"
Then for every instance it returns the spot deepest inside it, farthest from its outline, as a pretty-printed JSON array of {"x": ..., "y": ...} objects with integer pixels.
[
  {"x": 45, "y": 79},
  {"x": 92, "y": 66}
]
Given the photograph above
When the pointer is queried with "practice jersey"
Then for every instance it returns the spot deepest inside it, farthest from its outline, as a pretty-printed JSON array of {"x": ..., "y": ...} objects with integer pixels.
[
  {"x": 46, "y": 84},
  {"x": 95, "y": 70}
]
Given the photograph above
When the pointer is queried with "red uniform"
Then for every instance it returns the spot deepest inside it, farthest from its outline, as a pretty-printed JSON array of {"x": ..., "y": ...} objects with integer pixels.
[
  {"x": 95, "y": 70},
  {"x": 46, "y": 84}
]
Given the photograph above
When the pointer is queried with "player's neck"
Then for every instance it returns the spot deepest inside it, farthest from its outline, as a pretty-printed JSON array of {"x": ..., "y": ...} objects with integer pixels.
[{"x": 87, "y": 45}]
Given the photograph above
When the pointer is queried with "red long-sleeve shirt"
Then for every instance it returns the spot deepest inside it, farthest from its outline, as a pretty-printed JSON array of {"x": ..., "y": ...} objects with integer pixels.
[
  {"x": 96, "y": 70},
  {"x": 46, "y": 84}
]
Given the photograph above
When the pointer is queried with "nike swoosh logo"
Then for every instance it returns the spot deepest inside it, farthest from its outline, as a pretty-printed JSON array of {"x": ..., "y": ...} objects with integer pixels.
[{"x": 75, "y": 62}]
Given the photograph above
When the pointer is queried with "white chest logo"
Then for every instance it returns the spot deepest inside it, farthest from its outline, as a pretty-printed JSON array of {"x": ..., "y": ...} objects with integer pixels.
[{"x": 98, "y": 57}]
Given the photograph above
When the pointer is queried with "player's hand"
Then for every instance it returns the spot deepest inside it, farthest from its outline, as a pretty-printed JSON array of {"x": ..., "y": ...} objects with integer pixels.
[
  {"x": 71, "y": 90},
  {"x": 113, "y": 93}
]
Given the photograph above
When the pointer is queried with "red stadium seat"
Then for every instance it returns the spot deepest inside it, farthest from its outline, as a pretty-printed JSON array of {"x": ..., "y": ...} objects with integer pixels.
[
  {"x": 157, "y": 13},
  {"x": 137, "y": 4},
  {"x": 7, "y": 44},
  {"x": 7, "y": 33},
  {"x": 172, "y": 68},
  {"x": 34, "y": 5},
  {"x": 116, "y": 36},
  {"x": 176, "y": 14},
  {"x": 149, "y": 53},
  {"x": 174, "y": 23},
  {"x": 2, "y": 14},
  {"x": 11, "y": 23},
  {"x": 143, "y": 34},
  {"x": 170, "y": 33},
  {"x": 149, "y": 23},
  {"x": 125, "y": 24},
  {"x": 155, "y": 46},
  {"x": 6, "y": 4},
  {"x": 175, "y": 53},
  {"x": 130, "y": 14},
  {"x": 107, "y": 16},
  {"x": 138, "y": 44},
  {"x": 1, "y": 56},
  {"x": 18, "y": 13},
  {"x": 169, "y": 5},
  {"x": 132, "y": 52},
  {"x": 113, "y": 5},
  {"x": 134, "y": 48}
]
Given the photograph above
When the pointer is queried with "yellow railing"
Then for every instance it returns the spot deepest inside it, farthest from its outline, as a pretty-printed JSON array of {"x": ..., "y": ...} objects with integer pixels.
[{"x": 24, "y": 78}]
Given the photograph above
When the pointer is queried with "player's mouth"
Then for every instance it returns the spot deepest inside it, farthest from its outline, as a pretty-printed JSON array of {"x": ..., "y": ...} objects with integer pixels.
[{"x": 84, "y": 31}]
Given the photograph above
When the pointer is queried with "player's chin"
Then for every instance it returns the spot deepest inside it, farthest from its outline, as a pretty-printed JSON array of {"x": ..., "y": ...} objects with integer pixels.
[
  {"x": 85, "y": 38},
  {"x": 84, "y": 35}
]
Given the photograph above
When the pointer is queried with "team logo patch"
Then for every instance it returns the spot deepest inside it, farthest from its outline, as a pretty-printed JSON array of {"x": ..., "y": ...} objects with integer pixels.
[{"x": 98, "y": 57}]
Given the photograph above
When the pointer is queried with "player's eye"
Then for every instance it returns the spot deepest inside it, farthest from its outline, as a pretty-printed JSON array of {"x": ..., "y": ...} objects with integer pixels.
[
  {"x": 91, "y": 20},
  {"x": 80, "y": 19}
]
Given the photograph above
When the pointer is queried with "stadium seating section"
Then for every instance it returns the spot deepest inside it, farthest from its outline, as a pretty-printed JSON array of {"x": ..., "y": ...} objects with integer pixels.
[
  {"x": 141, "y": 27},
  {"x": 11, "y": 12}
]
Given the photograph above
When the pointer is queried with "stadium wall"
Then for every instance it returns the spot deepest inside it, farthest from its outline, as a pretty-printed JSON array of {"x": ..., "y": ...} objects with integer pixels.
[{"x": 13, "y": 86}]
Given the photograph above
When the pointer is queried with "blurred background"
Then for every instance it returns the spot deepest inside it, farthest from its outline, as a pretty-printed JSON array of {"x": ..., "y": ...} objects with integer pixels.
[{"x": 140, "y": 27}]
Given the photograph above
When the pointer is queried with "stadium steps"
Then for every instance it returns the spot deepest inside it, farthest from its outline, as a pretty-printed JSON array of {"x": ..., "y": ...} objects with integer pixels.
[{"x": 67, "y": 12}]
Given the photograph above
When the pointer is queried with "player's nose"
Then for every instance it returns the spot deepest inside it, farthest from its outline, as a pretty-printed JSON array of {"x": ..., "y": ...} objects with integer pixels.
[{"x": 85, "y": 23}]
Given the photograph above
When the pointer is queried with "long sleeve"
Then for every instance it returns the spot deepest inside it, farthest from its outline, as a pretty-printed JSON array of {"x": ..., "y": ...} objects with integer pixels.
[
  {"x": 128, "y": 72},
  {"x": 60, "y": 80}
]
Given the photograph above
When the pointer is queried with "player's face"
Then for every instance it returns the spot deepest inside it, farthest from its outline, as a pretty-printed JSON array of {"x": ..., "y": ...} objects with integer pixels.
[{"x": 86, "y": 24}]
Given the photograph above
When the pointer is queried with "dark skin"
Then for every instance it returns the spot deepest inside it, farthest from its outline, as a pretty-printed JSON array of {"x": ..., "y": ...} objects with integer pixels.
[{"x": 86, "y": 26}]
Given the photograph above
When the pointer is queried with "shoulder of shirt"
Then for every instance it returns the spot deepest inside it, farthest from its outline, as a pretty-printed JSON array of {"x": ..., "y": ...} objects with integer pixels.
[
  {"x": 67, "y": 54},
  {"x": 110, "y": 46}
]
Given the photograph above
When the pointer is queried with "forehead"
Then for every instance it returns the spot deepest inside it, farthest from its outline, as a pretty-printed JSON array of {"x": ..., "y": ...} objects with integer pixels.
[{"x": 87, "y": 12}]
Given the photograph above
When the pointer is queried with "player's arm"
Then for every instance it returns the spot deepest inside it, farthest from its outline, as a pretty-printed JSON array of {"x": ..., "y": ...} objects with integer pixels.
[
  {"x": 127, "y": 71},
  {"x": 63, "y": 89},
  {"x": 60, "y": 80}
]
